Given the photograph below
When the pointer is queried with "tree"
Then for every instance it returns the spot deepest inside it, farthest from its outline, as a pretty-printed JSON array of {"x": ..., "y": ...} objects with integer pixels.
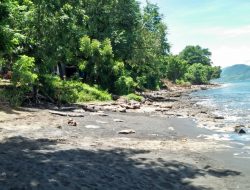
[
  {"x": 57, "y": 28},
  {"x": 198, "y": 74},
  {"x": 175, "y": 68},
  {"x": 98, "y": 63},
  {"x": 196, "y": 54},
  {"x": 149, "y": 49}
]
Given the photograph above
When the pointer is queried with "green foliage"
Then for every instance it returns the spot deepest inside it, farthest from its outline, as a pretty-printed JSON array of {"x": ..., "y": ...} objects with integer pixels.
[
  {"x": 13, "y": 96},
  {"x": 175, "y": 68},
  {"x": 183, "y": 83},
  {"x": 198, "y": 74},
  {"x": 135, "y": 97},
  {"x": 216, "y": 72},
  {"x": 24, "y": 74},
  {"x": 125, "y": 85},
  {"x": 98, "y": 63},
  {"x": 112, "y": 44},
  {"x": 196, "y": 54},
  {"x": 71, "y": 91}
]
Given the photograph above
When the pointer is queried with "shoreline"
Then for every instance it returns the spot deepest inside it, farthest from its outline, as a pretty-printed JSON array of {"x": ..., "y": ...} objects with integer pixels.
[{"x": 164, "y": 151}]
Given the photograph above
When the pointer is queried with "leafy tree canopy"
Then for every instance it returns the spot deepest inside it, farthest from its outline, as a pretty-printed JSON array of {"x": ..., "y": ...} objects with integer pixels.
[{"x": 196, "y": 54}]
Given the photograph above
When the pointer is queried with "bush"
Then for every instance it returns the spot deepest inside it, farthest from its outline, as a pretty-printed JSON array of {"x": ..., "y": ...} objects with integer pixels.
[
  {"x": 24, "y": 72},
  {"x": 125, "y": 85},
  {"x": 14, "y": 97},
  {"x": 198, "y": 74},
  {"x": 135, "y": 97},
  {"x": 72, "y": 91}
]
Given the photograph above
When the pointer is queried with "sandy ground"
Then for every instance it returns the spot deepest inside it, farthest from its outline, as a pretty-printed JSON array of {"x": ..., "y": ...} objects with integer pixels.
[{"x": 39, "y": 150}]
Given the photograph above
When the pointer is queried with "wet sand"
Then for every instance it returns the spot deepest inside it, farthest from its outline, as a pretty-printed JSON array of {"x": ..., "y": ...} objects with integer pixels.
[{"x": 39, "y": 150}]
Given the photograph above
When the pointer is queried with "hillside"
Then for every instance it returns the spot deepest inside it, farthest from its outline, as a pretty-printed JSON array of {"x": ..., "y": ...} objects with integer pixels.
[{"x": 235, "y": 73}]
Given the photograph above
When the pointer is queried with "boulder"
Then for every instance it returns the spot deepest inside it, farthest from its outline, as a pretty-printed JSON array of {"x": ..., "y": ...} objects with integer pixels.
[{"x": 240, "y": 129}]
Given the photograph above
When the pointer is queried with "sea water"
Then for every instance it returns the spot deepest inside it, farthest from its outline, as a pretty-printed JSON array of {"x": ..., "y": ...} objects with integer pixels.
[{"x": 230, "y": 100}]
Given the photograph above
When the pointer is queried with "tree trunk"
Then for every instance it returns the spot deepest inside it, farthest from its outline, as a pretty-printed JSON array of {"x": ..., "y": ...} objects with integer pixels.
[{"x": 61, "y": 67}]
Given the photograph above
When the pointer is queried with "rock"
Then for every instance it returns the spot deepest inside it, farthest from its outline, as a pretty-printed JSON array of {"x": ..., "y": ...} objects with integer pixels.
[
  {"x": 171, "y": 128},
  {"x": 218, "y": 117},
  {"x": 126, "y": 131},
  {"x": 92, "y": 127},
  {"x": 59, "y": 127},
  {"x": 166, "y": 106},
  {"x": 204, "y": 88},
  {"x": 122, "y": 110},
  {"x": 118, "y": 120},
  {"x": 175, "y": 95},
  {"x": 204, "y": 111},
  {"x": 162, "y": 109},
  {"x": 71, "y": 122},
  {"x": 240, "y": 129}
]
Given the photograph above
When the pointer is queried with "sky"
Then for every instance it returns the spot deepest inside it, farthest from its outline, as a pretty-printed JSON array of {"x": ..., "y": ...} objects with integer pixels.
[{"x": 223, "y": 26}]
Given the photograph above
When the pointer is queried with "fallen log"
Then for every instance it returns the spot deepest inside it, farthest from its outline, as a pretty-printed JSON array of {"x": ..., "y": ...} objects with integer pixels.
[{"x": 69, "y": 114}]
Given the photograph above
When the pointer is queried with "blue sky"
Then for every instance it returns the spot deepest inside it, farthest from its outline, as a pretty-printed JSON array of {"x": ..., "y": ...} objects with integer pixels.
[{"x": 223, "y": 26}]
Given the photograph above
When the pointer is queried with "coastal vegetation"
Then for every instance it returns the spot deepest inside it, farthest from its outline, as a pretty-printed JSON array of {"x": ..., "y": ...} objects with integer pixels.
[{"x": 74, "y": 51}]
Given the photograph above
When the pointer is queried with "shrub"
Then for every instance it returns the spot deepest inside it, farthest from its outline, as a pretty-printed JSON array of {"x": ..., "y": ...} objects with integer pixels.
[
  {"x": 125, "y": 85},
  {"x": 14, "y": 97},
  {"x": 183, "y": 83},
  {"x": 24, "y": 72},
  {"x": 72, "y": 91},
  {"x": 198, "y": 74}
]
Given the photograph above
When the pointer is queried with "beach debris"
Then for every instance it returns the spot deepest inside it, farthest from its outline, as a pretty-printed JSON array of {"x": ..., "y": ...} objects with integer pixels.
[
  {"x": 240, "y": 129},
  {"x": 71, "y": 122},
  {"x": 126, "y": 131},
  {"x": 118, "y": 120},
  {"x": 92, "y": 127},
  {"x": 69, "y": 114}
]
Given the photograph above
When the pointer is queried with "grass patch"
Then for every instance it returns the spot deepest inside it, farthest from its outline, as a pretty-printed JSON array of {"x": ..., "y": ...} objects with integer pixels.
[{"x": 135, "y": 97}]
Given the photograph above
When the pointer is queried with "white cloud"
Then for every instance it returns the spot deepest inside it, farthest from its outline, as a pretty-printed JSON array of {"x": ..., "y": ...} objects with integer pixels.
[
  {"x": 226, "y": 56},
  {"x": 226, "y": 32}
]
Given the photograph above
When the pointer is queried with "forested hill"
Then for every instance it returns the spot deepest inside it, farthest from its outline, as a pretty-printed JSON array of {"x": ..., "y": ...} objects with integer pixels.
[
  {"x": 235, "y": 73},
  {"x": 83, "y": 50}
]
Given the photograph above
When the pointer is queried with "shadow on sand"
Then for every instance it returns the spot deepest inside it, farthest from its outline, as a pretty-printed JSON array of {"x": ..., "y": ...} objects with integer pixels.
[{"x": 35, "y": 164}]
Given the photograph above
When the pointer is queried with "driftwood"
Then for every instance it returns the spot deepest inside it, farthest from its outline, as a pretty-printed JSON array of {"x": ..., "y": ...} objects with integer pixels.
[{"x": 69, "y": 114}]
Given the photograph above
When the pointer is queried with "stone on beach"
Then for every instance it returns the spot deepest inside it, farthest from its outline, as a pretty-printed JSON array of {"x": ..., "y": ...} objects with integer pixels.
[
  {"x": 92, "y": 127},
  {"x": 72, "y": 122},
  {"x": 118, "y": 120},
  {"x": 126, "y": 131},
  {"x": 240, "y": 129}
]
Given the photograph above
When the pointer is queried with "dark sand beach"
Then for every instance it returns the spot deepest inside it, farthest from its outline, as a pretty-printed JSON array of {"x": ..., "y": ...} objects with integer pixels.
[{"x": 40, "y": 150}]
